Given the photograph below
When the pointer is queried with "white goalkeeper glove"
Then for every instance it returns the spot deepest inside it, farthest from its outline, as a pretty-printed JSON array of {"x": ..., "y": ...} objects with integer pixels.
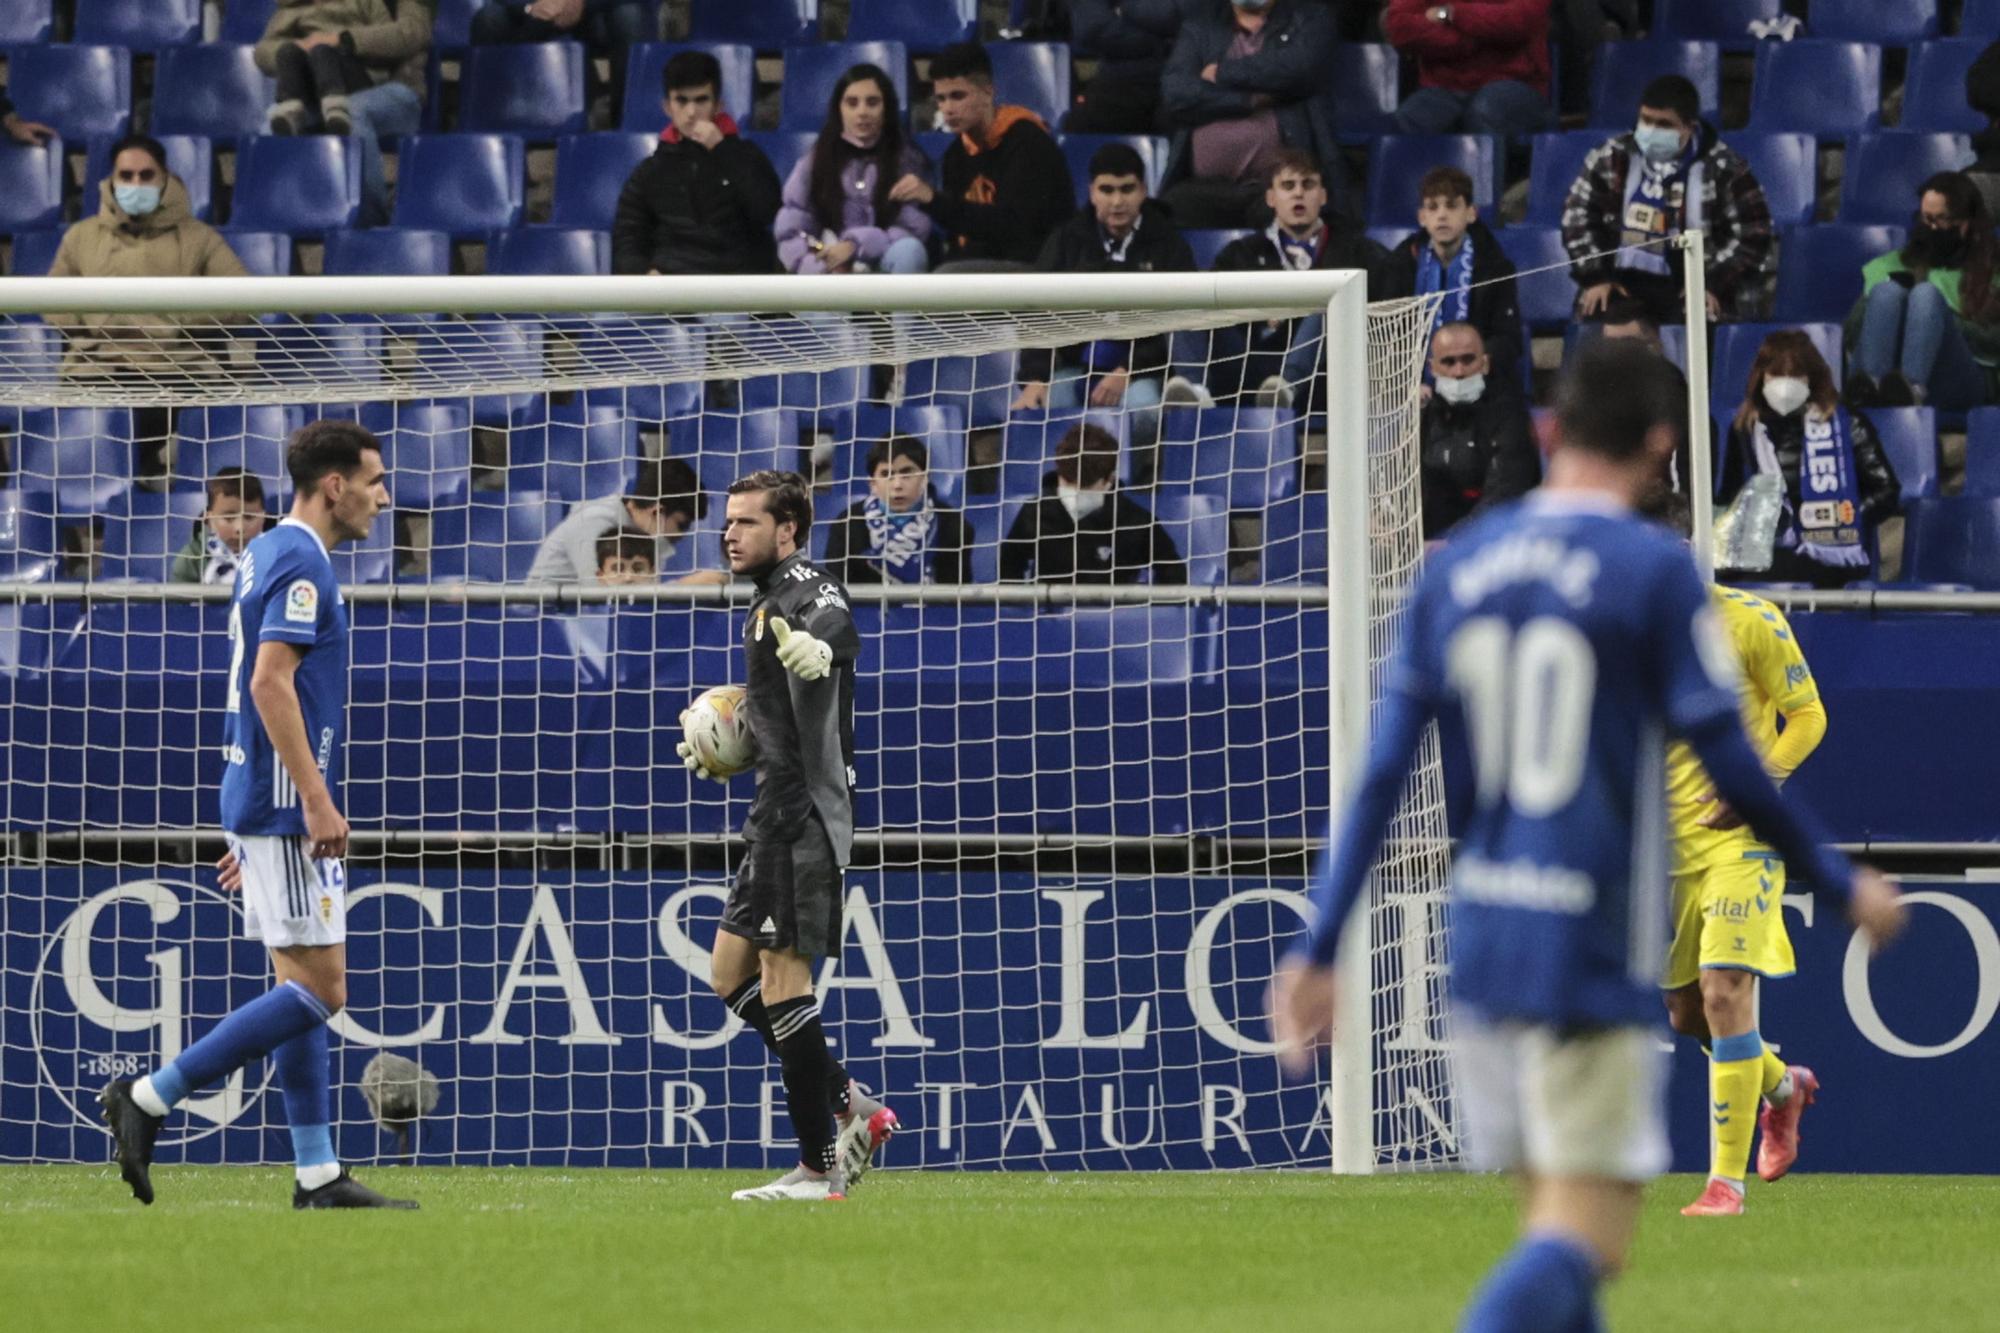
[
  {"x": 800, "y": 653},
  {"x": 693, "y": 762}
]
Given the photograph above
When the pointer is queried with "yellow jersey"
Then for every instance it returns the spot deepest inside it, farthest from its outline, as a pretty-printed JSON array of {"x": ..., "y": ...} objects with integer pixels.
[{"x": 1775, "y": 679}]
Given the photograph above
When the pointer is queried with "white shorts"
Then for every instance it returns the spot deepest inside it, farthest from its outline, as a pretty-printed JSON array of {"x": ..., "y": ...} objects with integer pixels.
[
  {"x": 288, "y": 897},
  {"x": 1587, "y": 1103}
]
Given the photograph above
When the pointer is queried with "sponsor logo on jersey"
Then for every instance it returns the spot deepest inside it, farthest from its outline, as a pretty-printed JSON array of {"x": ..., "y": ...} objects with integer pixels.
[
  {"x": 302, "y": 602},
  {"x": 829, "y": 595},
  {"x": 757, "y": 625}
]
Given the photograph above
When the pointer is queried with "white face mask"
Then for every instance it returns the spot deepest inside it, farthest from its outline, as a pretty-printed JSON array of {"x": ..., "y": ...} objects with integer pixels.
[
  {"x": 1461, "y": 391},
  {"x": 1080, "y": 504},
  {"x": 1786, "y": 395}
]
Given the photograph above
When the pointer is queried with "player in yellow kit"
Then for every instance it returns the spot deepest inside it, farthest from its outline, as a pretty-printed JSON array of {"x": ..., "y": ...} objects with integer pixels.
[{"x": 1729, "y": 926}]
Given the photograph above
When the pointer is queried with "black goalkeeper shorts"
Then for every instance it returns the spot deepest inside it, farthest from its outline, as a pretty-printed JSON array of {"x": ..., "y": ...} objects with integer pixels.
[{"x": 787, "y": 895}]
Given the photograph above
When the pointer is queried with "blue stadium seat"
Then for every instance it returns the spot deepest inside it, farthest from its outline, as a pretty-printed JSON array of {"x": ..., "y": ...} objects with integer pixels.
[
  {"x": 34, "y": 251},
  {"x": 784, "y": 147},
  {"x": 920, "y": 25},
  {"x": 1398, "y": 161},
  {"x": 1910, "y": 439},
  {"x": 245, "y": 20},
  {"x": 82, "y": 456},
  {"x": 1953, "y": 539},
  {"x": 427, "y": 449},
  {"x": 607, "y": 341},
  {"x": 1819, "y": 269},
  {"x": 576, "y": 251},
  {"x": 305, "y": 186},
  {"x": 30, "y": 353},
  {"x": 1982, "y": 452},
  {"x": 764, "y": 24},
  {"x": 811, "y": 72},
  {"x": 394, "y": 251},
  {"x": 941, "y": 428},
  {"x": 1207, "y": 244},
  {"x": 981, "y": 386},
  {"x": 83, "y": 91},
  {"x": 1980, "y": 18},
  {"x": 1078, "y": 149},
  {"x": 1245, "y": 456},
  {"x": 645, "y": 103},
  {"x": 464, "y": 184},
  {"x": 27, "y": 538},
  {"x": 1364, "y": 89},
  {"x": 827, "y": 396},
  {"x": 1034, "y": 75},
  {"x": 209, "y": 439},
  {"x": 1725, "y": 21},
  {"x": 1736, "y": 347},
  {"x": 1557, "y": 162},
  {"x": 591, "y": 170},
  {"x": 1622, "y": 69},
  {"x": 1824, "y": 88},
  {"x": 1548, "y": 299},
  {"x": 1786, "y": 165},
  {"x": 1884, "y": 170},
  {"x": 1673, "y": 341},
  {"x": 1028, "y": 446},
  {"x": 143, "y": 25},
  {"x": 1934, "y": 92},
  {"x": 143, "y": 541},
  {"x": 586, "y": 450},
  {"x": 492, "y": 348},
  {"x": 1294, "y": 548},
  {"x": 267, "y": 254},
  {"x": 25, "y": 22},
  {"x": 373, "y": 558},
  {"x": 213, "y": 89},
  {"x": 533, "y": 89},
  {"x": 505, "y": 532},
  {"x": 1199, "y": 528},
  {"x": 451, "y": 29},
  {"x": 1887, "y": 22},
  {"x": 722, "y": 446},
  {"x": 326, "y": 350},
  {"x": 188, "y": 157}
]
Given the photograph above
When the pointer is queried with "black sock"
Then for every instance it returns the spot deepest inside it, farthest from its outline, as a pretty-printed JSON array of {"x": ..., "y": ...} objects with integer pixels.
[
  {"x": 747, "y": 1003},
  {"x": 801, "y": 1043}
]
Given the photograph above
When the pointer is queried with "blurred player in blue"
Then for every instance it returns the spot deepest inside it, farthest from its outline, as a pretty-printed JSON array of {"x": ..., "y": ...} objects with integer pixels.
[
  {"x": 1575, "y": 637},
  {"x": 282, "y": 732}
]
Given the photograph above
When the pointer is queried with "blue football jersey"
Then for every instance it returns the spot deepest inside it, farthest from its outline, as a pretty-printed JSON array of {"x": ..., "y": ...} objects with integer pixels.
[{"x": 285, "y": 592}]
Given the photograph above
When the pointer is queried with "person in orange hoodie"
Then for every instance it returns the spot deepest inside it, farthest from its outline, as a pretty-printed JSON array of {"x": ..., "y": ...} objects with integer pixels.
[{"x": 1004, "y": 185}]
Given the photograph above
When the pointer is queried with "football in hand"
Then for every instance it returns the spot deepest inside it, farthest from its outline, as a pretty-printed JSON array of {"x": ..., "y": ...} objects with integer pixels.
[{"x": 717, "y": 728}]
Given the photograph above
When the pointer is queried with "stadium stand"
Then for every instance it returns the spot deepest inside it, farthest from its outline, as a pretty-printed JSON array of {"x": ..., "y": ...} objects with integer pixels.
[
  {"x": 1363, "y": 90},
  {"x": 1786, "y": 166},
  {"x": 645, "y": 107},
  {"x": 208, "y": 439},
  {"x": 245, "y": 20},
  {"x": 566, "y": 250},
  {"x": 76, "y": 456},
  {"x": 923, "y": 26},
  {"x": 1819, "y": 269},
  {"x": 1035, "y": 75},
  {"x": 1934, "y": 92},
  {"x": 1624, "y": 68},
  {"x": 140, "y": 542},
  {"x": 1817, "y": 86},
  {"x": 31, "y": 185},
  {"x": 1549, "y": 297},
  {"x": 1909, "y": 438},
  {"x": 1982, "y": 452},
  {"x": 768, "y": 25},
  {"x": 590, "y": 173},
  {"x": 142, "y": 25},
  {"x": 267, "y": 254},
  {"x": 1556, "y": 162},
  {"x": 1398, "y": 161},
  {"x": 26, "y": 22},
  {"x": 1953, "y": 540},
  {"x": 1724, "y": 21},
  {"x": 82, "y": 91},
  {"x": 534, "y": 89},
  {"x": 1884, "y": 170},
  {"x": 214, "y": 89},
  {"x": 34, "y": 251},
  {"x": 427, "y": 449},
  {"x": 401, "y": 251},
  {"x": 811, "y": 72},
  {"x": 1888, "y": 22},
  {"x": 305, "y": 186},
  {"x": 464, "y": 184}
]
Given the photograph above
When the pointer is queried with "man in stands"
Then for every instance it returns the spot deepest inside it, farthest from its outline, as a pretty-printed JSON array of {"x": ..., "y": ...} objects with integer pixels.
[
  {"x": 1453, "y": 252},
  {"x": 1082, "y": 529},
  {"x": 1478, "y": 445},
  {"x": 1482, "y": 68},
  {"x": 1003, "y": 184},
  {"x": 1640, "y": 190},
  {"x": 1131, "y": 39}
]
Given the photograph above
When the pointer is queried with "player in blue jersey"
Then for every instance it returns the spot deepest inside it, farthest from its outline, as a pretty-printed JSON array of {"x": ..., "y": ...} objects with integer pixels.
[
  {"x": 1574, "y": 637},
  {"x": 282, "y": 734}
]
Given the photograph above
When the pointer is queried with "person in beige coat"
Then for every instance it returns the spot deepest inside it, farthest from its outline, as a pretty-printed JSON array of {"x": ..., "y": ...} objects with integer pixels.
[{"x": 143, "y": 228}]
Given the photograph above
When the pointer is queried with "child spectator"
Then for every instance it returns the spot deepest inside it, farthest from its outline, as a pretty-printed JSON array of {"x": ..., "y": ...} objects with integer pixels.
[
  {"x": 1482, "y": 65},
  {"x": 1082, "y": 530},
  {"x": 234, "y": 517},
  {"x": 625, "y": 555},
  {"x": 664, "y": 500},
  {"x": 837, "y": 215},
  {"x": 1453, "y": 252},
  {"x": 902, "y": 533}
]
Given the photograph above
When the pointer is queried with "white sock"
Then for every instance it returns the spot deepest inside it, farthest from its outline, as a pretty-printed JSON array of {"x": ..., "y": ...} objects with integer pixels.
[
  {"x": 312, "y": 1177},
  {"x": 859, "y": 1102},
  {"x": 1781, "y": 1094},
  {"x": 1736, "y": 1185},
  {"x": 149, "y": 1101}
]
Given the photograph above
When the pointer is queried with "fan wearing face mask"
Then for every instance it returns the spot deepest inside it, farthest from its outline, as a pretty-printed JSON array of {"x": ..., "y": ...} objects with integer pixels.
[
  {"x": 1082, "y": 529},
  {"x": 1927, "y": 327},
  {"x": 1478, "y": 445},
  {"x": 144, "y": 227},
  {"x": 1837, "y": 481}
]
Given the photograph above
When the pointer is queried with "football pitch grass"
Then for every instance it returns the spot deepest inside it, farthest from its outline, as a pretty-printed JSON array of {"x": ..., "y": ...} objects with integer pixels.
[{"x": 587, "y": 1248}]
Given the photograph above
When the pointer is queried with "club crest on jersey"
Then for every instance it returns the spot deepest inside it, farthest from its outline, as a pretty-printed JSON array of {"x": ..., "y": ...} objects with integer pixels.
[
  {"x": 757, "y": 626},
  {"x": 302, "y": 602}
]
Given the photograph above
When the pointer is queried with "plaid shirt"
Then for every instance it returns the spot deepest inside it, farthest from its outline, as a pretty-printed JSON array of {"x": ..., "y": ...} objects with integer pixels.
[{"x": 1742, "y": 249}]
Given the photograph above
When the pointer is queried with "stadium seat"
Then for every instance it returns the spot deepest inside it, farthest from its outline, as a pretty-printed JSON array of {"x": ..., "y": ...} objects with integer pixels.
[
  {"x": 27, "y": 538},
  {"x": 1622, "y": 69},
  {"x": 25, "y": 22},
  {"x": 267, "y": 254},
  {"x": 208, "y": 439},
  {"x": 941, "y": 429},
  {"x": 576, "y": 251},
  {"x": 142, "y": 25},
  {"x": 1557, "y": 162},
  {"x": 213, "y": 89},
  {"x": 83, "y": 91},
  {"x": 1199, "y": 529},
  {"x": 397, "y": 251},
  {"x": 1207, "y": 244},
  {"x": 305, "y": 186},
  {"x": 1887, "y": 22},
  {"x": 586, "y": 450},
  {"x": 142, "y": 542},
  {"x": 723, "y": 446},
  {"x": 30, "y": 353},
  {"x": 1979, "y": 18},
  {"x": 34, "y": 251},
  {"x": 464, "y": 184},
  {"x": 505, "y": 532},
  {"x": 766, "y": 25},
  {"x": 1548, "y": 299},
  {"x": 534, "y": 89},
  {"x": 1078, "y": 149},
  {"x": 82, "y": 456},
  {"x": 1034, "y": 75},
  {"x": 1294, "y": 549},
  {"x": 645, "y": 347},
  {"x": 1934, "y": 92},
  {"x": 1724, "y": 21},
  {"x": 1736, "y": 347},
  {"x": 1982, "y": 452},
  {"x": 188, "y": 157},
  {"x": 784, "y": 147},
  {"x": 920, "y": 25},
  {"x": 1245, "y": 456},
  {"x": 370, "y": 560},
  {"x": 1364, "y": 89},
  {"x": 1909, "y": 437},
  {"x": 427, "y": 450},
  {"x": 591, "y": 170},
  {"x": 245, "y": 20},
  {"x": 1786, "y": 165},
  {"x": 1953, "y": 539},
  {"x": 980, "y": 386},
  {"x": 451, "y": 29},
  {"x": 823, "y": 395},
  {"x": 1819, "y": 269},
  {"x": 1398, "y": 161},
  {"x": 811, "y": 71},
  {"x": 1885, "y": 169},
  {"x": 1673, "y": 342},
  {"x": 1816, "y": 86},
  {"x": 645, "y": 106}
]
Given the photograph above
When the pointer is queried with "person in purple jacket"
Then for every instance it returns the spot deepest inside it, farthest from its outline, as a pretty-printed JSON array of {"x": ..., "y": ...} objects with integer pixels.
[{"x": 837, "y": 215}]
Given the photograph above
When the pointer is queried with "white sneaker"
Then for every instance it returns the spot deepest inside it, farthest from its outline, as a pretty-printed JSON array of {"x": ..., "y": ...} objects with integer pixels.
[
  {"x": 1274, "y": 392},
  {"x": 797, "y": 1184},
  {"x": 861, "y": 1139},
  {"x": 1180, "y": 391}
]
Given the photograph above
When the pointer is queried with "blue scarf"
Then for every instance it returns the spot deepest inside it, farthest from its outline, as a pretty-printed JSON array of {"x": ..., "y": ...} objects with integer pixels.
[
  {"x": 1660, "y": 202},
  {"x": 1454, "y": 281},
  {"x": 900, "y": 544},
  {"x": 1823, "y": 522}
]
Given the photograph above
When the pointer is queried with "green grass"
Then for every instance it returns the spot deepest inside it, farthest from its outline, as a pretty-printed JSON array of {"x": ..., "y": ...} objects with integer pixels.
[{"x": 589, "y": 1249}]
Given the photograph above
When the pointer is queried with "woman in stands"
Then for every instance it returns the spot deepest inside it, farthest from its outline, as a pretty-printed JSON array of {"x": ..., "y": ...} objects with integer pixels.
[
  {"x": 837, "y": 215},
  {"x": 902, "y": 532},
  {"x": 1927, "y": 328},
  {"x": 1792, "y": 424}
]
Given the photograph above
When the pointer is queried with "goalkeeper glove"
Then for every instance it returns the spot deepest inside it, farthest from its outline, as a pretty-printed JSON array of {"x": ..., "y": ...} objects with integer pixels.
[
  {"x": 800, "y": 653},
  {"x": 693, "y": 762}
]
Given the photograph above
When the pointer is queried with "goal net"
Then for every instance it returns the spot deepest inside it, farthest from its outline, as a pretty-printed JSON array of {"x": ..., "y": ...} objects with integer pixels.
[{"x": 1123, "y": 555}]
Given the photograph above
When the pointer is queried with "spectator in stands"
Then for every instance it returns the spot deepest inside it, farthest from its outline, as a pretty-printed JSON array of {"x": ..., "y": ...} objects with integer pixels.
[
  {"x": 1119, "y": 231},
  {"x": 19, "y": 128},
  {"x": 1082, "y": 529},
  {"x": 1240, "y": 85},
  {"x": 664, "y": 500},
  {"x": 143, "y": 228},
  {"x": 1003, "y": 185},
  {"x": 1131, "y": 40},
  {"x": 1792, "y": 422},
  {"x": 1482, "y": 65},
  {"x": 902, "y": 532},
  {"x": 610, "y": 26},
  {"x": 1455, "y": 253},
  {"x": 1927, "y": 327},
  {"x": 83, "y": 550},
  {"x": 837, "y": 216},
  {"x": 1478, "y": 444},
  {"x": 349, "y": 67},
  {"x": 1274, "y": 358},
  {"x": 704, "y": 202},
  {"x": 626, "y": 555},
  {"x": 1641, "y": 189},
  {"x": 234, "y": 517}
]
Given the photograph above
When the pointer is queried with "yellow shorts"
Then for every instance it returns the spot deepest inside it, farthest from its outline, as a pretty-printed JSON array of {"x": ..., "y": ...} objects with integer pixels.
[{"x": 1730, "y": 915}]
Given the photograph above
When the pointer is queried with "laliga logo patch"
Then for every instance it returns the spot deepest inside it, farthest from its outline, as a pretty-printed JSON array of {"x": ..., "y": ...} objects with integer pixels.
[
  {"x": 302, "y": 602},
  {"x": 757, "y": 627}
]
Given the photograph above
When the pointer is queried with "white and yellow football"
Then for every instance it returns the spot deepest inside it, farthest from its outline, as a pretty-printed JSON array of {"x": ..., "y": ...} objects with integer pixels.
[{"x": 717, "y": 728}]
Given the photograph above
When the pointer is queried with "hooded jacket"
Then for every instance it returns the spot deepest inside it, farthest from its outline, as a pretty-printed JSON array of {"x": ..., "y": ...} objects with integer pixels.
[
  {"x": 1494, "y": 308},
  {"x": 689, "y": 209},
  {"x": 391, "y": 37},
  {"x": 999, "y": 196},
  {"x": 798, "y": 225}
]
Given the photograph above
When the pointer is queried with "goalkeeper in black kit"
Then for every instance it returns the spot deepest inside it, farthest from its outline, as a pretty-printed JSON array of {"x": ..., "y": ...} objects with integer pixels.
[{"x": 799, "y": 645}]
